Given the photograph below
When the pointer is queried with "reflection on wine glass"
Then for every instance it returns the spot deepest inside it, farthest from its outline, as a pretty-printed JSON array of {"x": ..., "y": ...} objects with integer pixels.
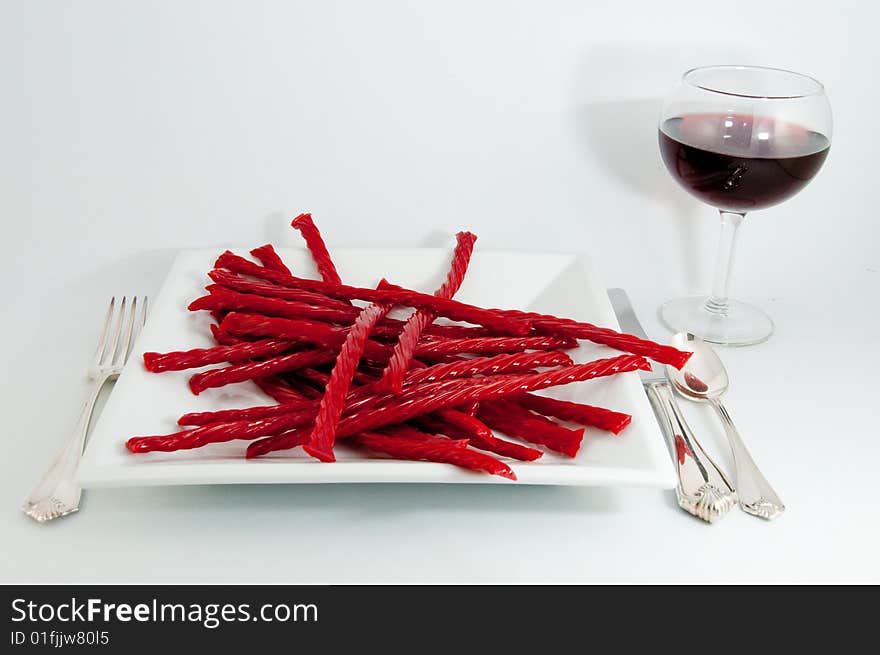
[{"x": 739, "y": 138}]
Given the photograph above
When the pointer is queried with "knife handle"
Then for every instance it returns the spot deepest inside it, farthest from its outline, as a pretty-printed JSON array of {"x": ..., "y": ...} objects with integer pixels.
[{"x": 703, "y": 490}]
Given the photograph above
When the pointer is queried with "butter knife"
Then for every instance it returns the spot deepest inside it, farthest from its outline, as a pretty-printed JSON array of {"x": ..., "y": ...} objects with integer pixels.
[{"x": 703, "y": 490}]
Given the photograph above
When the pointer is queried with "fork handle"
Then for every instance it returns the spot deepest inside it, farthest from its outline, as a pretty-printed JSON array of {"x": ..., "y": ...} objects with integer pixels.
[
  {"x": 703, "y": 490},
  {"x": 57, "y": 493},
  {"x": 756, "y": 496}
]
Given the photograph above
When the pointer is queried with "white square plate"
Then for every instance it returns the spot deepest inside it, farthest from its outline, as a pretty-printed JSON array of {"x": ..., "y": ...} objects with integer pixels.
[{"x": 147, "y": 403}]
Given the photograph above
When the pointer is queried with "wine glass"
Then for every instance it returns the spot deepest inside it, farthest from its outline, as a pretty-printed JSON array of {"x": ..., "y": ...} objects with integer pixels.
[{"x": 739, "y": 138}]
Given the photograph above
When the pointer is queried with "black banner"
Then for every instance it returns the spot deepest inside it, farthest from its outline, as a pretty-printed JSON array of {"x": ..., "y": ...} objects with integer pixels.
[{"x": 221, "y": 619}]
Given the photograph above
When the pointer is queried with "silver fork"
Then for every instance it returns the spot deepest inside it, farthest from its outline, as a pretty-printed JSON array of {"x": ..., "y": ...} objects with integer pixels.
[{"x": 57, "y": 494}]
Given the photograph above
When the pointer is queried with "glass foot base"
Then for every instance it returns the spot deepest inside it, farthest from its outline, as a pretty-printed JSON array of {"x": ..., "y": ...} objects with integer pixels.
[{"x": 740, "y": 325}]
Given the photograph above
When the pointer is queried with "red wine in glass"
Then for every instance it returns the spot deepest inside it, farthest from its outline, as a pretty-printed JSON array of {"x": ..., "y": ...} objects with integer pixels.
[
  {"x": 740, "y": 162},
  {"x": 739, "y": 138}
]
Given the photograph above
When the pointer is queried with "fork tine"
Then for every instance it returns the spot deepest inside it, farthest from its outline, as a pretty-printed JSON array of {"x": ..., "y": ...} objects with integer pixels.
[
  {"x": 110, "y": 355},
  {"x": 143, "y": 315},
  {"x": 122, "y": 356},
  {"x": 102, "y": 342}
]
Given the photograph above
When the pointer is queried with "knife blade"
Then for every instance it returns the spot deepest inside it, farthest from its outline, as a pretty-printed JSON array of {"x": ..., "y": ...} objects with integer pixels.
[
  {"x": 703, "y": 489},
  {"x": 629, "y": 323}
]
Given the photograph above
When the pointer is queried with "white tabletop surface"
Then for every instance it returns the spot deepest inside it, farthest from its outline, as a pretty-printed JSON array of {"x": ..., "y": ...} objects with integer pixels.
[{"x": 128, "y": 132}]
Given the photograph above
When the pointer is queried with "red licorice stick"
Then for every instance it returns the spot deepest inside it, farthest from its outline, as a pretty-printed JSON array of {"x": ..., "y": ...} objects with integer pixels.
[
  {"x": 389, "y": 328},
  {"x": 323, "y": 435},
  {"x": 221, "y": 298},
  {"x": 465, "y": 422},
  {"x": 413, "y": 390},
  {"x": 454, "y": 424},
  {"x": 219, "y": 432},
  {"x": 535, "y": 432},
  {"x": 547, "y": 324},
  {"x": 320, "y": 334},
  {"x": 292, "y": 406},
  {"x": 224, "y": 298},
  {"x": 226, "y": 339},
  {"x": 465, "y": 368},
  {"x": 392, "y": 378},
  {"x": 434, "y": 451},
  {"x": 430, "y": 398},
  {"x": 316, "y": 246},
  {"x": 404, "y": 431},
  {"x": 554, "y": 325},
  {"x": 599, "y": 417},
  {"x": 555, "y": 437},
  {"x": 517, "y": 412},
  {"x": 293, "y": 329},
  {"x": 221, "y": 337},
  {"x": 624, "y": 342},
  {"x": 507, "y": 363},
  {"x": 270, "y": 259},
  {"x": 220, "y": 377},
  {"x": 435, "y": 425},
  {"x": 452, "y": 309},
  {"x": 455, "y": 331},
  {"x": 490, "y": 346},
  {"x": 277, "y": 389},
  {"x": 234, "y": 282},
  {"x": 239, "y": 352},
  {"x": 296, "y": 436}
]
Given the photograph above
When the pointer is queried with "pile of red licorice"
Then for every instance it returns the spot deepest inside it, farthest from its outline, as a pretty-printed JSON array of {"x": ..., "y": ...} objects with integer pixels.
[{"x": 411, "y": 389}]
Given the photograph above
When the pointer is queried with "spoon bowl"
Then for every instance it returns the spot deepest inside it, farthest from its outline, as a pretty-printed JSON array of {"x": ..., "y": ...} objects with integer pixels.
[{"x": 703, "y": 376}]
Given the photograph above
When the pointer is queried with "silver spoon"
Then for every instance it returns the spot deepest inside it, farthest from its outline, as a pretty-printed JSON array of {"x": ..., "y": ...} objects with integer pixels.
[{"x": 704, "y": 378}]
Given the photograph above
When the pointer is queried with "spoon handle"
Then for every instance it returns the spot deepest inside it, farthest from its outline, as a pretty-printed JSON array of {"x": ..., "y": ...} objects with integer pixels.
[
  {"x": 703, "y": 490},
  {"x": 756, "y": 496}
]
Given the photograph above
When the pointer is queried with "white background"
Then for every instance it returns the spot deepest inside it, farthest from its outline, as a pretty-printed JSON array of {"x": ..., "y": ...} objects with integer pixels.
[{"x": 129, "y": 130}]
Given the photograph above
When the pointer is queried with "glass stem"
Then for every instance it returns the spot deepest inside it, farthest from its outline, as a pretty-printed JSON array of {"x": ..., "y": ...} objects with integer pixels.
[{"x": 718, "y": 301}]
